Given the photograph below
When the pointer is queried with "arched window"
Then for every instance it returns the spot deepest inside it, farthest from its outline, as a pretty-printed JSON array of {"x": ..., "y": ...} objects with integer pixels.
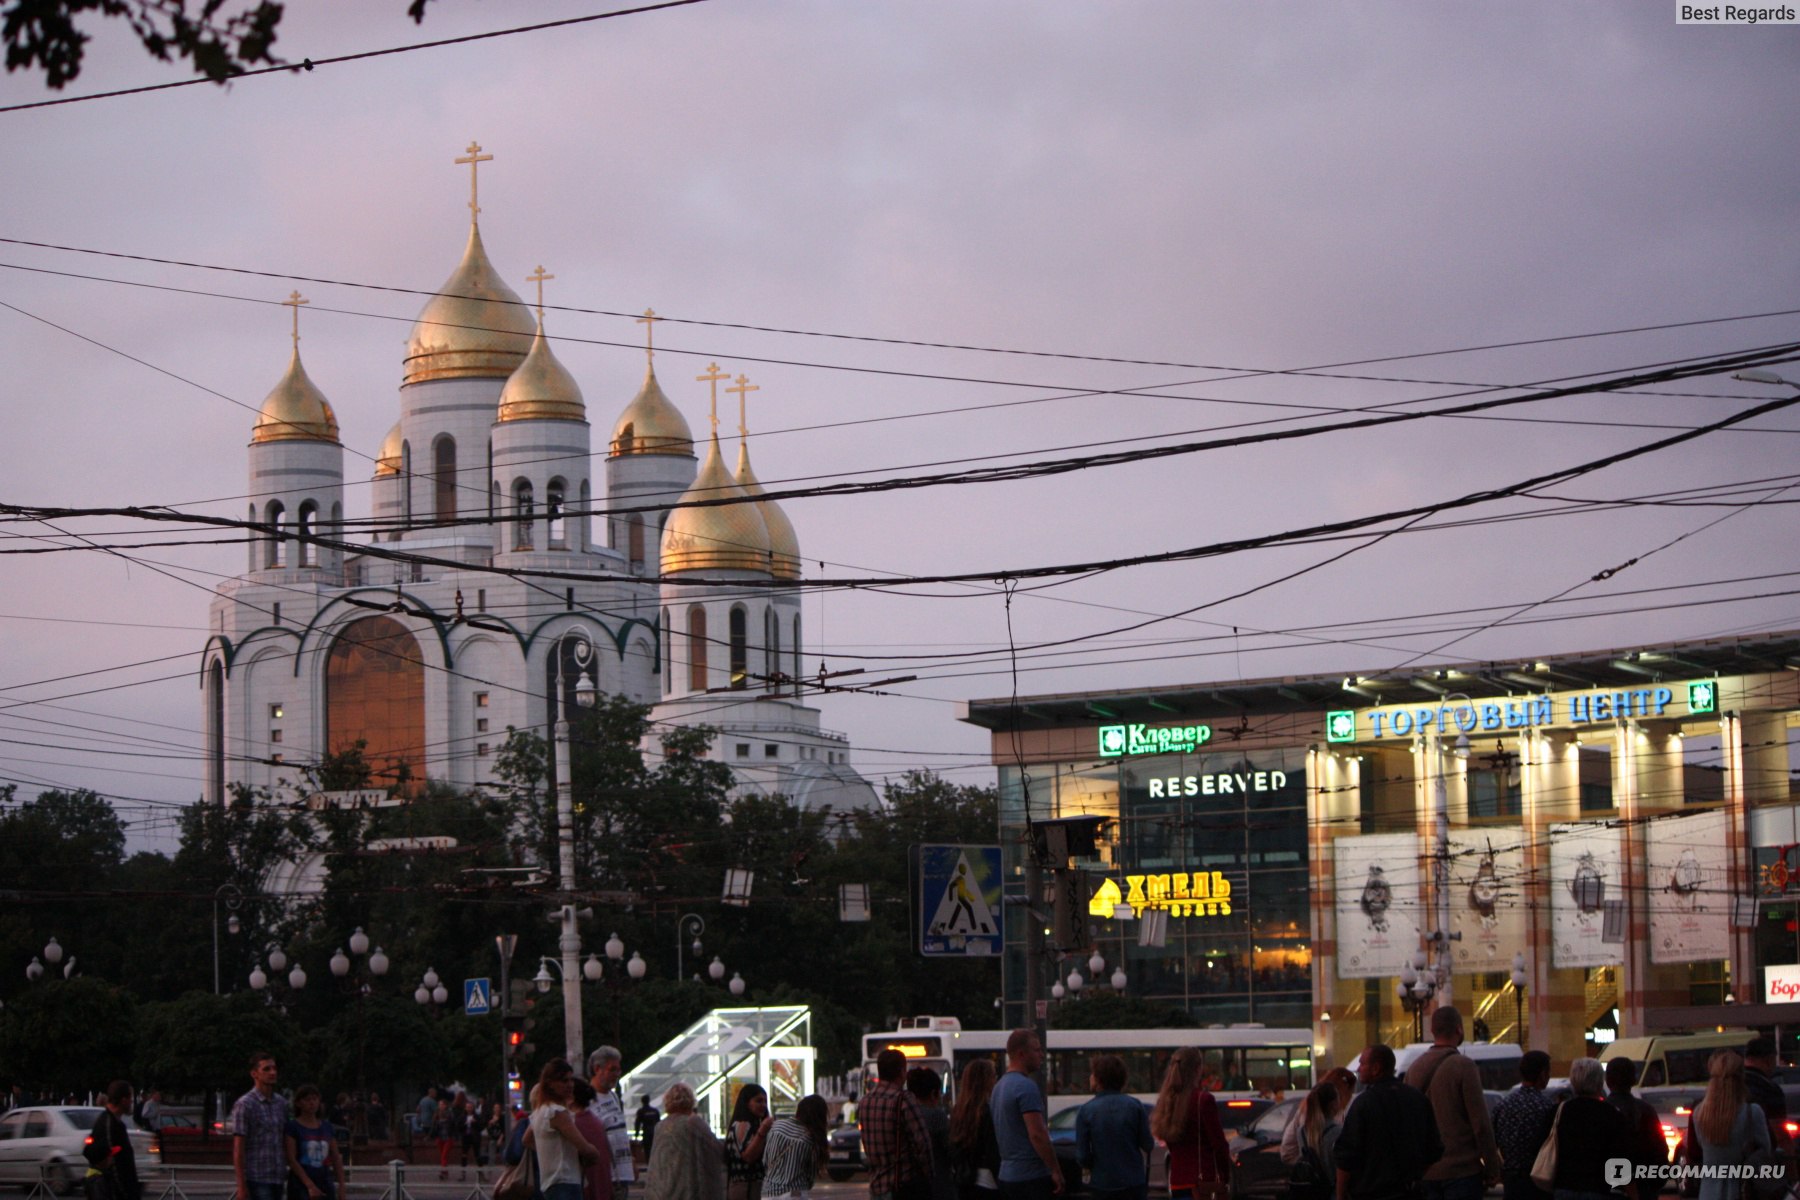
[
  {"x": 740, "y": 648},
  {"x": 494, "y": 491},
  {"x": 215, "y": 732},
  {"x": 525, "y": 511},
  {"x": 307, "y": 527},
  {"x": 634, "y": 542},
  {"x": 375, "y": 693},
  {"x": 275, "y": 516},
  {"x": 406, "y": 482},
  {"x": 796, "y": 671},
  {"x": 668, "y": 648},
  {"x": 696, "y": 648},
  {"x": 774, "y": 623},
  {"x": 584, "y": 529},
  {"x": 553, "y": 514},
  {"x": 443, "y": 477},
  {"x": 255, "y": 540}
]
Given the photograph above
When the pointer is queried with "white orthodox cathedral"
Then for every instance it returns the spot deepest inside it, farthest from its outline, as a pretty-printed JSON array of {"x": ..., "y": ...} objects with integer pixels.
[{"x": 489, "y": 472}]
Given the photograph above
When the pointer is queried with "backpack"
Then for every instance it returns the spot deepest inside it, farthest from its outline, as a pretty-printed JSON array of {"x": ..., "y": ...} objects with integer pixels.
[{"x": 1309, "y": 1179}]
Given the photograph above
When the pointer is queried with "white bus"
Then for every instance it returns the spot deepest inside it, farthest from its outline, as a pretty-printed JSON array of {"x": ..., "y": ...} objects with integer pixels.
[{"x": 1243, "y": 1061}]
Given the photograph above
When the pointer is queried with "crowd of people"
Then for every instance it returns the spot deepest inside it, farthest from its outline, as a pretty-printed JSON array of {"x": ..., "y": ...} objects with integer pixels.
[{"x": 1369, "y": 1136}]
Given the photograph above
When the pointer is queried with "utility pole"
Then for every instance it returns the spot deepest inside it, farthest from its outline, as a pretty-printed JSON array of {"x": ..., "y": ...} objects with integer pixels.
[{"x": 570, "y": 941}]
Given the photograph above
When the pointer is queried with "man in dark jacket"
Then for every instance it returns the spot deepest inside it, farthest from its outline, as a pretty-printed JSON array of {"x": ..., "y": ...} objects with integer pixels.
[
  {"x": 1647, "y": 1144},
  {"x": 1390, "y": 1135}
]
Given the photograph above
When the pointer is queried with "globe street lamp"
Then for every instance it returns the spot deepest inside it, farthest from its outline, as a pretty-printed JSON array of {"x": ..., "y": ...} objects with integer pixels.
[
  {"x": 233, "y": 897},
  {"x": 690, "y": 925}
]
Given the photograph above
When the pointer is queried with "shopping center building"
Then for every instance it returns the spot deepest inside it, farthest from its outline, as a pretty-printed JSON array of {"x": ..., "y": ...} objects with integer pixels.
[{"x": 1616, "y": 832}]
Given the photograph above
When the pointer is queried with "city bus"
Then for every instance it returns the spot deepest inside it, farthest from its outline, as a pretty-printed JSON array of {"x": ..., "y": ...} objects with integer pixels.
[{"x": 1243, "y": 1062}]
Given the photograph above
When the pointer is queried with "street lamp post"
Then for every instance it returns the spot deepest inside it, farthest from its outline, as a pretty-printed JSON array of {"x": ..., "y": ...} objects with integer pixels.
[
  {"x": 1440, "y": 937},
  {"x": 376, "y": 964},
  {"x": 53, "y": 954},
  {"x": 1519, "y": 979},
  {"x": 570, "y": 941},
  {"x": 233, "y": 897},
  {"x": 690, "y": 925}
]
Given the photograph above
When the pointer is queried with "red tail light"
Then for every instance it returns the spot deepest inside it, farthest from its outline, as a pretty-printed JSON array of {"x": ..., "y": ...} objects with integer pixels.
[
  {"x": 1792, "y": 1127},
  {"x": 88, "y": 1140}
]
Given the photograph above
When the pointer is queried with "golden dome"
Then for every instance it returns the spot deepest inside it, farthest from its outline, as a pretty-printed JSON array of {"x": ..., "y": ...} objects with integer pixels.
[
  {"x": 387, "y": 462},
  {"x": 784, "y": 546},
  {"x": 295, "y": 411},
  {"x": 541, "y": 389},
  {"x": 722, "y": 537},
  {"x": 474, "y": 328},
  {"x": 650, "y": 424}
]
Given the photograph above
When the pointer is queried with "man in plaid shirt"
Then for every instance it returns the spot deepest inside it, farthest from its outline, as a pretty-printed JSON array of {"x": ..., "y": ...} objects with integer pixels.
[
  {"x": 258, "y": 1124},
  {"x": 894, "y": 1141}
]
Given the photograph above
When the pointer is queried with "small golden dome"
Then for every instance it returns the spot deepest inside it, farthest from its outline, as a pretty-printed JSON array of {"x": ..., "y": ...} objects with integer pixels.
[
  {"x": 295, "y": 411},
  {"x": 650, "y": 424},
  {"x": 388, "y": 461},
  {"x": 784, "y": 545},
  {"x": 541, "y": 389},
  {"x": 474, "y": 328},
  {"x": 722, "y": 537}
]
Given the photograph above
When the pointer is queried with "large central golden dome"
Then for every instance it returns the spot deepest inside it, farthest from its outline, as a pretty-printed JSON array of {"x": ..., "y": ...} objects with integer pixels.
[
  {"x": 474, "y": 328},
  {"x": 296, "y": 410},
  {"x": 650, "y": 424},
  {"x": 541, "y": 389},
  {"x": 784, "y": 544},
  {"x": 724, "y": 537}
]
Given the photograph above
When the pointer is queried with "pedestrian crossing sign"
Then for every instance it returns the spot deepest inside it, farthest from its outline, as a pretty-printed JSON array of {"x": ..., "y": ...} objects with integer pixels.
[
  {"x": 959, "y": 901},
  {"x": 478, "y": 997}
]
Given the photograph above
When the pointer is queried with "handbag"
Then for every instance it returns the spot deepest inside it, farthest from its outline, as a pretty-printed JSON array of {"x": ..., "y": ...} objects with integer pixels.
[
  {"x": 519, "y": 1181},
  {"x": 1543, "y": 1167}
]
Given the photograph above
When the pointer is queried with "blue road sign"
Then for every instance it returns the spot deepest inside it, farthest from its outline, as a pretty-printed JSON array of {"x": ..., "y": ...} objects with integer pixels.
[
  {"x": 478, "y": 997},
  {"x": 959, "y": 901}
]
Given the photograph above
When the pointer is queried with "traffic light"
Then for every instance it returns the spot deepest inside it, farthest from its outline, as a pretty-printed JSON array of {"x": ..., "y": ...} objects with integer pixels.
[{"x": 515, "y": 1038}]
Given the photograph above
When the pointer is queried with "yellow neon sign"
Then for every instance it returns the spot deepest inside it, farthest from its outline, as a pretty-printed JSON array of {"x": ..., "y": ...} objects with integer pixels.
[{"x": 1180, "y": 893}]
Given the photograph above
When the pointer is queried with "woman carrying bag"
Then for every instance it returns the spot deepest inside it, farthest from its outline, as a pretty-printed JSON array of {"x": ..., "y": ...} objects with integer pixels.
[
  {"x": 1186, "y": 1120},
  {"x": 1726, "y": 1129},
  {"x": 561, "y": 1150}
]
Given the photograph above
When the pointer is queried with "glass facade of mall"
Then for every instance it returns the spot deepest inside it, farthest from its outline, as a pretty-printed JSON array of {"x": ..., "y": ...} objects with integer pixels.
[{"x": 1621, "y": 826}]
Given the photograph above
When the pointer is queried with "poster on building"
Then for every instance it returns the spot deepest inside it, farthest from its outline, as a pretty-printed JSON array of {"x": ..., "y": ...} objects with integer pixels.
[
  {"x": 1585, "y": 875},
  {"x": 1689, "y": 879},
  {"x": 958, "y": 890},
  {"x": 1487, "y": 897},
  {"x": 1377, "y": 881}
]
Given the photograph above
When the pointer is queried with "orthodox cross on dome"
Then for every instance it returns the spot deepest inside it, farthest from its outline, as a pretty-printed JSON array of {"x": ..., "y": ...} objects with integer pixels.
[
  {"x": 294, "y": 302},
  {"x": 648, "y": 321},
  {"x": 474, "y": 160},
  {"x": 538, "y": 277},
  {"x": 712, "y": 376},
  {"x": 743, "y": 385}
]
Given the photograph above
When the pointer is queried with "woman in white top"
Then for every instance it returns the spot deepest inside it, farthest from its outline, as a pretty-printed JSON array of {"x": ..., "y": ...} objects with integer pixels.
[{"x": 560, "y": 1148}]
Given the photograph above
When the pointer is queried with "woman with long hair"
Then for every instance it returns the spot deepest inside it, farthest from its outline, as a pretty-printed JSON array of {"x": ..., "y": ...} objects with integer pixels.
[
  {"x": 974, "y": 1148},
  {"x": 796, "y": 1151},
  {"x": 744, "y": 1142},
  {"x": 1186, "y": 1120},
  {"x": 1726, "y": 1128},
  {"x": 561, "y": 1150},
  {"x": 1344, "y": 1084}
]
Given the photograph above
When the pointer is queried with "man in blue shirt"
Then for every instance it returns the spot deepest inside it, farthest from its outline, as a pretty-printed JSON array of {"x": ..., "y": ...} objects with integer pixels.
[
  {"x": 1112, "y": 1135},
  {"x": 1028, "y": 1167}
]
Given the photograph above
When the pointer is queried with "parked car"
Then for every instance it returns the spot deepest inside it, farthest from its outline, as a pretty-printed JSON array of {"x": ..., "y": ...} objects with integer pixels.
[
  {"x": 1673, "y": 1105},
  {"x": 843, "y": 1152},
  {"x": 1062, "y": 1139},
  {"x": 1256, "y": 1166},
  {"x": 46, "y": 1142}
]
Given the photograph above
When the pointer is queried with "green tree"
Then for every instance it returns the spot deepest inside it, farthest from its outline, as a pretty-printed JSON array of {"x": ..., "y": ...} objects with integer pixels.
[
  {"x": 69, "y": 1035},
  {"x": 48, "y": 34},
  {"x": 202, "y": 1043}
]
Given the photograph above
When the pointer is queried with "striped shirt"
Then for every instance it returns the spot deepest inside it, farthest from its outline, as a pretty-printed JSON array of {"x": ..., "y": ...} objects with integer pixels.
[
  {"x": 261, "y": 1122},
  {"x": 789, "y": 1157}
]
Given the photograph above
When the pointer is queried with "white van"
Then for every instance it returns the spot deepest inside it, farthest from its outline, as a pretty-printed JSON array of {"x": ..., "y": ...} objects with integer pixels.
[
  {"x": 1675, "y": 1059},
  {"x": 1498, "y": 1062}
]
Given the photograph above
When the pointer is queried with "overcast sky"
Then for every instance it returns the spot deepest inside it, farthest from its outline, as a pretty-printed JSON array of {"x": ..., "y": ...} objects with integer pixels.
[{"x": 1231, "y": 189}]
